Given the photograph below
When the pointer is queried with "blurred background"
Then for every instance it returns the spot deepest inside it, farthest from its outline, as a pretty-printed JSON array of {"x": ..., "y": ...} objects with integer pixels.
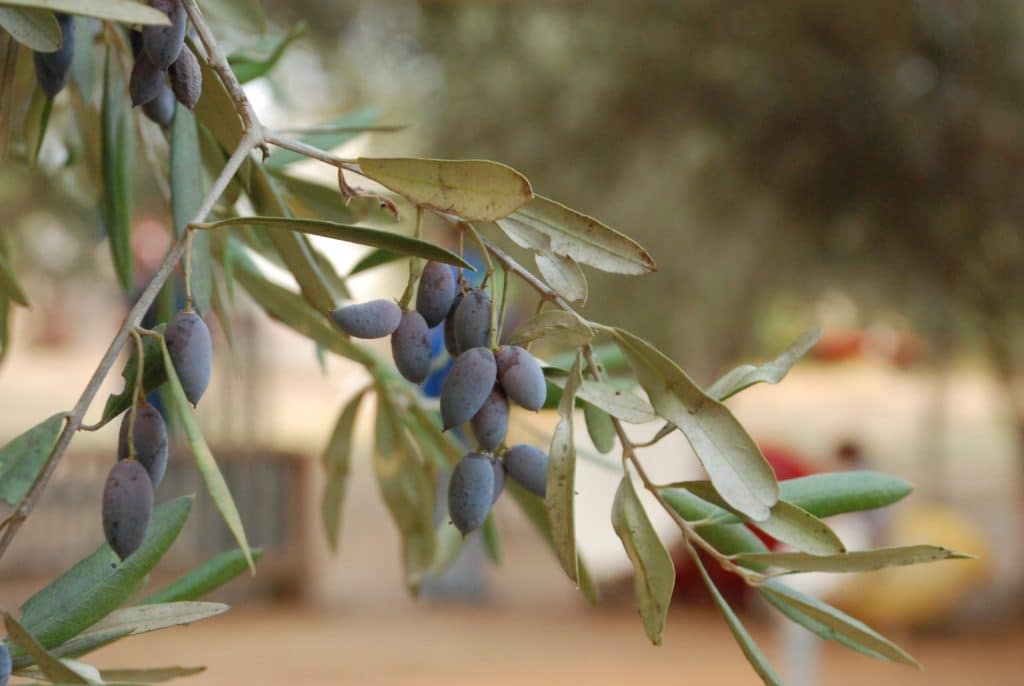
[{"x": 852, "y": 166}]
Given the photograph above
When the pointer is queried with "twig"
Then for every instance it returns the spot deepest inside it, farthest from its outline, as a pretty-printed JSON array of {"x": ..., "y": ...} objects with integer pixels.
[
  {"x": 688, "y": 529},
  {"x": 312, "y": 152},
  {"x": 132, "y": 319},
  {"x": 219, "y": 63}
]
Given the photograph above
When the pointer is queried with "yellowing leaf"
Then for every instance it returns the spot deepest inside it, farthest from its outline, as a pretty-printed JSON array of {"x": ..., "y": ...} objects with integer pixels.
[
  {"x": 36, "y": 29},
  {"x": 734, "y": 381},
  {"x": 857, "y": 560},
  {"x": 544, "y": 225},
  {"x": 476, "y": 190},
  {"x": 565, "y": 327},
  {"x": 126, "y": 11},
  {"x": 560, "y": 496},
  {"x": 564, "y": 275},
  {"x": 731, "y": 458},
  {"x": 654, "y": 573}
]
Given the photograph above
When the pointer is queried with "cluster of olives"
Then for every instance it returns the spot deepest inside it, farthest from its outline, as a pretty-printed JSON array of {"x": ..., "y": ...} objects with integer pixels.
[
  {"x": 479, "y": 385},
  {"x": 161, "y": 56},
  {"x": 141, "y": 462},
  {"x": 165, "y": 68}
]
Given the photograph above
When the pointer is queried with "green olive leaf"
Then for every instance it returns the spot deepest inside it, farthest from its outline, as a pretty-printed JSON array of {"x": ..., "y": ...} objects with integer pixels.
[
  {"x": 786, "y": 522},
  {"x": 25, "y": 455},
  {"x": 117, "y": 144},
  {"x": 599, "y": 428},
  {"x": 404, "y": 245},
  {"x": 99, "y": 584},
  {"x": 205, "y": 578}
]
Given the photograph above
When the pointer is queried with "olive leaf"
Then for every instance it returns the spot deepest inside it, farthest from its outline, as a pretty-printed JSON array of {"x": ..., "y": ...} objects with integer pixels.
[
  {"x": 546, "y": 226},
  {"x": 153, "y": 375},
  {"x": 205, "y": 462},
  {"x": 744, "y": 376},
  {"x": 99, "y": 584},
  {"x": 406, "y": 487},
  {"x": 564, "y": 276},
  {"x": 186, "y": 196},
  {"x": 746, "y": 642},
  {"x": 36, "y": 29},
  {"x": 832, "y": 493},
  {"x": 472, "y": 189},
  {"x": 404, "y": 245},
  {"x": 729, "y": 539},
  {"x": 856, "y": 560},
  {"x": 126, "y": 11},
  {"x": 337, "y": 458},
  {"x": 566, "y": 327},
  {"x": 730, "y": 457},
  {"x": 832, "y": 624},
  {"x": 654, "y": 573},
  {"x": 51, "y": 666},
  {"x": 9, "y": 285},
  {"x": 205, "y": 578},
  {"x": 786, "y": 522},
  {"x": 24, "y": 456},
  {"x": 117, "y": 146},
  {"x": 599, "y": 428},
  {"x": 618, "y": 402},
  {"x": 252, "y": 63},
  {"x": 153, "y": 675},
  {"x": 561, "y": 478}
]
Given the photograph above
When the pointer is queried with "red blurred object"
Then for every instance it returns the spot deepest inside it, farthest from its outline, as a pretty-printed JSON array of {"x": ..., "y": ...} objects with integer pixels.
[{"x": 787, "y": 465}]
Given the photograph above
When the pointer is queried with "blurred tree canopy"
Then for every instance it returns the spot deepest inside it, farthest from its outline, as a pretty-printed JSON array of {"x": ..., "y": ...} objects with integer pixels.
[{"x": 765, "y": 152}]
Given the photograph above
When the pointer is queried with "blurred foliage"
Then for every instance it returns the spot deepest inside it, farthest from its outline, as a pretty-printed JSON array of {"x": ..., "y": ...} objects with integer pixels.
[{"x": 766, "y": 153}]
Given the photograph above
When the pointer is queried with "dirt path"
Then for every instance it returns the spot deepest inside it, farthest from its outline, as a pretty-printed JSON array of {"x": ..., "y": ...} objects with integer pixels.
[{"x": 498, "y": 645}]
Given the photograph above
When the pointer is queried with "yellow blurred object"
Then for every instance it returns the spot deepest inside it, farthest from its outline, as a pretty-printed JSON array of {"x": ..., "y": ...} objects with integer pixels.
[{"x": 920, "y": 594}]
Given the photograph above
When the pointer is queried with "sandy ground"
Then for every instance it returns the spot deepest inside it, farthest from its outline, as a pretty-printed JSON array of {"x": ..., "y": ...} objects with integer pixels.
[{"x": 448, "y": 646}]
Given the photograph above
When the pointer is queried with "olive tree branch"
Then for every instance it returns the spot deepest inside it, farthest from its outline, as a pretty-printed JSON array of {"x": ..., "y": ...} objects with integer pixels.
[
  {"x": 689, "y": 529},
  {"x": 75, "y": 417}
]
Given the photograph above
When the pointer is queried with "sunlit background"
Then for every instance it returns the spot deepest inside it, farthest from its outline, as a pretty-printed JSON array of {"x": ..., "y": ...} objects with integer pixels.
[{"x": 854, "y": 166}]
